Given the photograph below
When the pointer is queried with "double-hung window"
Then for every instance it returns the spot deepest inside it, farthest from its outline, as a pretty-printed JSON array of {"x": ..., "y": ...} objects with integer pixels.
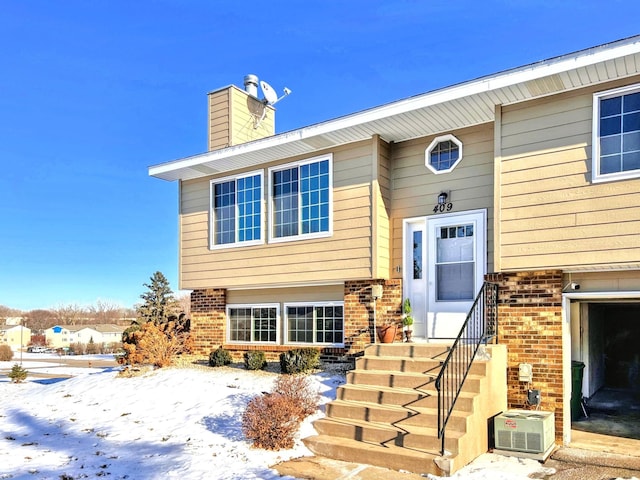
[
  {"x": 616, "y": 134},
  {"x": 317, "y": 323},
  {"x": 301, "y": 200},
  {"x": 236, "y": 210},
  {"x": 253, "y": 323}
]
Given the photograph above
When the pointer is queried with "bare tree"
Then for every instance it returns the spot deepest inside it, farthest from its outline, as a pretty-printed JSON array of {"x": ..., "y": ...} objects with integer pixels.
[
  {"x": 39, "y": 319},
  {"x": 9, "y": 312},
  {"x": 71, "y": 314},
  {"x": 105, "y": 312},
  {"x": 184, "y": 301}
]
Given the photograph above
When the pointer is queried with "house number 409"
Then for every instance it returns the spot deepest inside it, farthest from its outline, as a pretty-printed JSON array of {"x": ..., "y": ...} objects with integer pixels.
[{"x": 443, "y": 207}]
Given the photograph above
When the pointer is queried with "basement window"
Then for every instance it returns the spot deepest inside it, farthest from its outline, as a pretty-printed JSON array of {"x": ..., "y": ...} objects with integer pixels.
[
  {"x": 443, "y": 154},
  {"x": 315, "y": 324},
  {"x": 253, "y": 323}
]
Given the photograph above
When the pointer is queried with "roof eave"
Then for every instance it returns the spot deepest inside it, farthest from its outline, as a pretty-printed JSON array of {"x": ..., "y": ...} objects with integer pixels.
[{"x": 506, "y": 87}]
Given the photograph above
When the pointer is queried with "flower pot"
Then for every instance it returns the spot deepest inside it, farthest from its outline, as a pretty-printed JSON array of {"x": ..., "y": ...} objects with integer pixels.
[
  {"x": 407, "y": 334},
  {"x": 387, "y": 333}
]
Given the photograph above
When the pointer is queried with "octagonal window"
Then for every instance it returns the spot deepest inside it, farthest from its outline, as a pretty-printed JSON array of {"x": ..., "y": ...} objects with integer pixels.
[{"x": 443, "y": 154}]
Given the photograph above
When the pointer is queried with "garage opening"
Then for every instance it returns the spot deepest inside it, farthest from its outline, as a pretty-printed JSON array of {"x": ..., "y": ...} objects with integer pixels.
[{"x": 609, "y": 347}]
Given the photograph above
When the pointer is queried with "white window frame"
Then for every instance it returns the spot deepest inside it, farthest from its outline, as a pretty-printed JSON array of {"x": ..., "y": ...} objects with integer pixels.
[
  {"x": 312, "y": 305},
  {"x": 436, "y": 141},
  {"x": 271, "y": 209},
  {"x": 252, "y": 306},
  {"x": 212, "y": 219},
  {"x": 596, "y": 177}
]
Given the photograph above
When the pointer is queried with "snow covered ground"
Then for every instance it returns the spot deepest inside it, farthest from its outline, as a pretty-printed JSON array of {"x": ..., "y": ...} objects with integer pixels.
[{"x": 168, "y": 423}]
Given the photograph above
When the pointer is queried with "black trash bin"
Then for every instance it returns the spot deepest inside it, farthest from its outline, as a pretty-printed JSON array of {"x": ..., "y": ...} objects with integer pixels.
[{"x": 577, "y": 371}]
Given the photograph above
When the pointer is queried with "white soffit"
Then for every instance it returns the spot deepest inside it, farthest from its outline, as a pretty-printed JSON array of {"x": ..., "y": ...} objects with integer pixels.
[{"x": 450, "y": 108}]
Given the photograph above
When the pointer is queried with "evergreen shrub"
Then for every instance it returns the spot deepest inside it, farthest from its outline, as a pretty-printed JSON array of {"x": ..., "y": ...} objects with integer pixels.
[
  {"x": 17, "y": 374},
  {"x": 299, "y": 360},
  {"x": 255, "y": 360},
  {"x": 220, "y": 357}
]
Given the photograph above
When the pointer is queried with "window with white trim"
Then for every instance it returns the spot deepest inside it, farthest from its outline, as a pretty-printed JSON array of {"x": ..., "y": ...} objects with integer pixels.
[
  {"x": 315, "y": 323},
  {"x": 616, "y": 134},
  {"x": 253, "y": 323},
  {"x": 301, "y": 200},
  {"x": 443, "y": 154},
  {"x": 236, "y": 210}
]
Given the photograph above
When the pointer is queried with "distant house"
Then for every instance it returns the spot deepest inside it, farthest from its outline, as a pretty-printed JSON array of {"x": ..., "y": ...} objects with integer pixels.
[
  {"x": 13, "y": 320},
  {"x": 62, "y": 336},
  {"x": 16, "y": 336}
]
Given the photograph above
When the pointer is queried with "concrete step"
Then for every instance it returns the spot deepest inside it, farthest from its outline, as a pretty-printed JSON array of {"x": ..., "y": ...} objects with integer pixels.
[
  {"x": 388, "y": 456},
  {"x": 409, "y": 436},
  {"x": 365, "y": 411},
  {"x": 410, "y": 350},
  {"x": 378, "y": 394},
  {"x": 384, "y": 378},
  {"x": 420, "y": 382},
  {"x": 427, "y": 366}
]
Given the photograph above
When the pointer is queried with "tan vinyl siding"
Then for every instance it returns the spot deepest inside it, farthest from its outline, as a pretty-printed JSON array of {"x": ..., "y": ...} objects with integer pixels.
[
  {"x": 219, "y": 119},
  {"x": 382, "y": 233},
  {"x": 234, "y": 118},
  {"x": 343, "y": 256},
  {"x": 319, "y": 293},
  {"x": 552, "y": 215},
  {"x": 416, "y": 188}
]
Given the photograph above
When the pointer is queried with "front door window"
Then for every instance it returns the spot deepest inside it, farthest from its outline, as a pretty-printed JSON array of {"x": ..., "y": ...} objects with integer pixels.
[{"x": 455, "y": 263}]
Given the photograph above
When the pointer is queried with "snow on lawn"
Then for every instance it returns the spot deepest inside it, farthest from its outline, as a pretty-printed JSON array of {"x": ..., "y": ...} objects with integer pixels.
[{"x": 168, "y": 423}]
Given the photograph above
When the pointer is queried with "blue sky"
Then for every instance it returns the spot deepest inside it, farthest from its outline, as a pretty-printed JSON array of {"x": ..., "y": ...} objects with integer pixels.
[{"x": 94, "y": 92}]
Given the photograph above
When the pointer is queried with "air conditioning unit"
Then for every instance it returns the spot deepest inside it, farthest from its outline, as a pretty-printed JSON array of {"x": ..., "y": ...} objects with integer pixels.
[{"x": 528, "y": 431}]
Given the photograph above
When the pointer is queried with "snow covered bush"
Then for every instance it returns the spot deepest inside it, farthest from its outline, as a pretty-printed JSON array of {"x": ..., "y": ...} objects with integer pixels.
[
  {"x": 155, "y": 344},
  {"x": 271, "y": 421},
  {"x": 255, "y": 360},
  {"x": 6, "y": 354},
  {"x": 300, "y": 389},
  {"x": 220, "y": 357}
]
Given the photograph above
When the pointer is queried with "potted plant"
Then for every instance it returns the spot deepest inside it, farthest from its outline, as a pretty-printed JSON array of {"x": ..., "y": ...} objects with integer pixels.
[
  {"x": 407, "y": 319},
  {"x": 387, "y": 332}
]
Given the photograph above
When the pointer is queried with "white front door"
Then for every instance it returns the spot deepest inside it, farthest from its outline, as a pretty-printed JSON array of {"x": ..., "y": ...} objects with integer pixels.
[{"x": 445, "y": 263}]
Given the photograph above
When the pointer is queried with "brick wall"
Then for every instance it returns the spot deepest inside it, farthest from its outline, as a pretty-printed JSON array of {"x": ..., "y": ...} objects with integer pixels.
[
  {"x": 358, "y": 311},
  {"x": 530, "y": 324},
  {"x": 208, "y": 319}
]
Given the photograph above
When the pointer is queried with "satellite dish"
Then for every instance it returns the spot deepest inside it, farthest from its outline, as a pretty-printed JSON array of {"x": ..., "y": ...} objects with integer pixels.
[{"x": 270, "y": 95}]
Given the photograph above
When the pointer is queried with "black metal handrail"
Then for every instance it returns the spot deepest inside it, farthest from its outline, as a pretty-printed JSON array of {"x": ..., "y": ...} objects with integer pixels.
[{"x": 480, "y": 326}]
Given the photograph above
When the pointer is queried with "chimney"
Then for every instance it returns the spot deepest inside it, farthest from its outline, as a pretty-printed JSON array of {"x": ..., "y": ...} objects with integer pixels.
[{"x": 237, "y": 116}]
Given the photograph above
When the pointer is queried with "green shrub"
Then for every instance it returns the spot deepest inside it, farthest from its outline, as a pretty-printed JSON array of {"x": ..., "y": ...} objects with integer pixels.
[
  {"x": 17, "y": 374},
  {"x": 255, "y": 360},
  {"x": 6, "y": 354},
  {"x": 299, "y": 360},
  {"x": 220, "y": 357}
]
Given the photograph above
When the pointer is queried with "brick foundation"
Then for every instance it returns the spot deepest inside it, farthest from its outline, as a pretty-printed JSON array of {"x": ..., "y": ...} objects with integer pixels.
[
  {"x": 208, "y": 319},
  {"x": 358, "y": 311},
  {"x": 530, "y": 325}
]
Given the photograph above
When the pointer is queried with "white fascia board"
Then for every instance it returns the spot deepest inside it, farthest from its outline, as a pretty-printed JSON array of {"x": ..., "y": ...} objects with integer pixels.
[{"x": 481, "y": 85}]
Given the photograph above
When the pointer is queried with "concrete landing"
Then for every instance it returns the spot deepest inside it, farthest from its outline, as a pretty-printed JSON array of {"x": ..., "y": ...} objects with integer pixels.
[{"x": 322, "y": 468}]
